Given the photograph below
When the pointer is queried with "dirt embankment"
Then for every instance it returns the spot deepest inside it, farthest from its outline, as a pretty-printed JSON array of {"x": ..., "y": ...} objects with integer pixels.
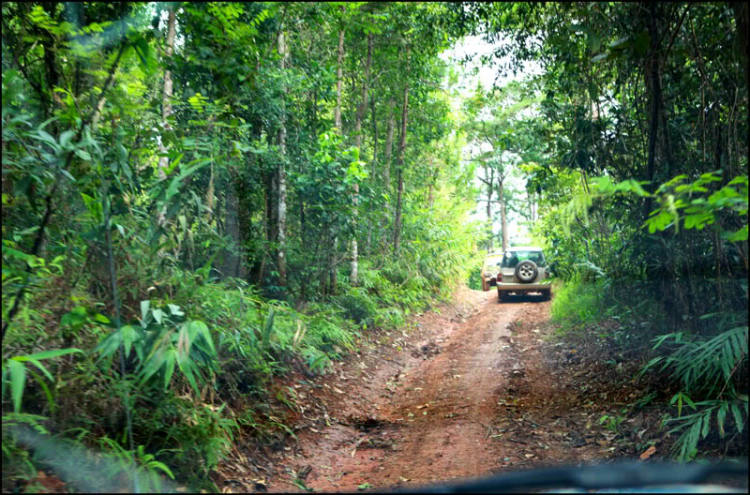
[{"x": 474, "y": 390}]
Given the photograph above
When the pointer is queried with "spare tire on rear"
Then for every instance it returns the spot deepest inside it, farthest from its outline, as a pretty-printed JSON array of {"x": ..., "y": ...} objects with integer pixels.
[{"x": 526, "y": 271}]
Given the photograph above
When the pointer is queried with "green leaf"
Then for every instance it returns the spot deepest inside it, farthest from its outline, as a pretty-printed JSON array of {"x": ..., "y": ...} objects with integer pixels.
[
  {"x": 740, "y": 235},
  {"x": 145, "y": 305},
  {"x": 737, "y": 417},
  {"x": 42, "y": 368},
  {"x": 202, "y": 329},
  {"x": 175, "y": 310},
  {"x": 158, "y": 315},
  {"x": 65, "y": 138},
  {"x": 101, "y": 318},
  {"x": 48, "y": 354},
  {"x": 129, "y": 335},
  {"x": 83, "y": 155},
  {"x": 268, "y": 327},
  {"x": 721, "y": 415},
  {"x": 17, "y": 380},
  {"x": 44, "y": 136},
  {"x": 185, "y": 366},
  {"x": 706, "y": 423}
]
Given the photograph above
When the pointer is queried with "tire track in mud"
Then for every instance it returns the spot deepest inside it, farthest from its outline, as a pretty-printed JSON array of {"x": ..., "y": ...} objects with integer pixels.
[
  {"x": 423, "y": 418},
  {"x": 467, "y": 394}
]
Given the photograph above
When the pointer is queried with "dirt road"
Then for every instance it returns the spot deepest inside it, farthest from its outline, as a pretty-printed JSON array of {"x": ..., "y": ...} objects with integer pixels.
[{"x": 475, "y": 389}]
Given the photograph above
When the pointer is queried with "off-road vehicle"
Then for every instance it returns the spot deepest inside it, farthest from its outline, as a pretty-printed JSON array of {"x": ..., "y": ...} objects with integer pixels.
[{"x": 523, "y": 269}]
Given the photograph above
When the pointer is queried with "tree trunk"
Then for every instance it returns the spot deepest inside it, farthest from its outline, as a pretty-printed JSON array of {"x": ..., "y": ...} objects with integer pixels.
[
  {"x": 655, "y": 97},
  {"x": 397, "y": 222},
  {"x": 358, "y": 143},
  {"x": 490, "y": 185},
  {"x": 339, "y": 82},
  {"x": 742, "y": 20},
  {"x": 374, "y": 165},
  {"x": 281, "y": 178},
  {"x": 338, "y": 125},
  {"x": 503, "y": 218},
  {"x": 401, "y": 157},
  {"x": 389, "y": 144},
  {"x": 166, "y": 111}
]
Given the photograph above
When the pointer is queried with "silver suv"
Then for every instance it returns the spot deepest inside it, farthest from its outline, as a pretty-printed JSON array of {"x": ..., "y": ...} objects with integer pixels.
[{"x": 523, "y": 270}]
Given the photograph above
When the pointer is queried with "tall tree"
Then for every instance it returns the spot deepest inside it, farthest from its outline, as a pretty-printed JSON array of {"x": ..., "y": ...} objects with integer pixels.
[
  {"x": 401, "y": 160},
  {"x": 281, "y": 179},
  {"x": 168, "y": 90},
  {"x": 361, "y": 109}
]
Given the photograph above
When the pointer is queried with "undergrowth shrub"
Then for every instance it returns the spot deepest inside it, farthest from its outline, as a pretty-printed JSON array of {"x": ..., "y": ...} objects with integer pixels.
[
  {"x": 357, "y": 305},
  {"x": 575, "y": 305},
  {"x": 475, "y": 275}
]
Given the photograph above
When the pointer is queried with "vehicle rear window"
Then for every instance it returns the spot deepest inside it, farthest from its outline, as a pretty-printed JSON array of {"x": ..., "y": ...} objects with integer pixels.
[
  {"x": 512, "y": 258},
  {"x": 493, "y": 261}
]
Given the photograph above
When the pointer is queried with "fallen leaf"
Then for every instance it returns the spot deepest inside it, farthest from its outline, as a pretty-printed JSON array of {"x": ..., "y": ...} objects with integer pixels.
[{"x": 648, "y": 453}]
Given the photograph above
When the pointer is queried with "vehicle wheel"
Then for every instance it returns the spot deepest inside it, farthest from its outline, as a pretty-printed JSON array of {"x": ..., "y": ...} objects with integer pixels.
[{"x": 526, "y": 271}]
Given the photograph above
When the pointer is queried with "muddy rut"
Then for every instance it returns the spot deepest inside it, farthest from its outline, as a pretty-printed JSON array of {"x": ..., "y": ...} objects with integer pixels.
[{"x": 469, "y": 393}]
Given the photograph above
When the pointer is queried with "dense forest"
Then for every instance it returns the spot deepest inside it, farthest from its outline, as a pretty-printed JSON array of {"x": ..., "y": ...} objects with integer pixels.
[{"x": 201, "y": 197}]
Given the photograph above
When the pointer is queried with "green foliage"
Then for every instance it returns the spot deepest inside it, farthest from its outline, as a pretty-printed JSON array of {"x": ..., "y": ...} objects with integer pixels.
[
  {"x": 14, "y": 372},
  {"x": 703, "y": 364},
  {"x": 698, "y": 425},
  {"x": 163, "y": 339}
]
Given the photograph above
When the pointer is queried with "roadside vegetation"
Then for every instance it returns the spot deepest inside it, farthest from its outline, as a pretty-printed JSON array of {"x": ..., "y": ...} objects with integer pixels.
[
  {"x": 200, "y": 197},
  {"x": 638, "y": 157}
]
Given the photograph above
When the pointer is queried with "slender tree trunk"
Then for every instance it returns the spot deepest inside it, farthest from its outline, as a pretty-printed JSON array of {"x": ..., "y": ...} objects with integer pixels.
[
  {"x": 358, "y": 143},
  {"x": 401, "y": 157},
  {"x": 490, "y": 186},
  {"x": 389, "y": 144},
  {"x": 374, "y": 166},
  {"x": 503, "y": 217},
  {"x": 338, "y": 125},
  {"x": 387, "y": 160},
  {"x": 166, "y": 111},
  {"x": 339, "y": 82},
  {"x": 397, "y": 222},
  {"x": 655, "y": 97},
  {"x": 281, "y": 178}
]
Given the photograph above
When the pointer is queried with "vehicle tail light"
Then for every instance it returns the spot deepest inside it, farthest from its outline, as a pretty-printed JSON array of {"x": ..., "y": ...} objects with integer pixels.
[{"x": 499, "y": 277}]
